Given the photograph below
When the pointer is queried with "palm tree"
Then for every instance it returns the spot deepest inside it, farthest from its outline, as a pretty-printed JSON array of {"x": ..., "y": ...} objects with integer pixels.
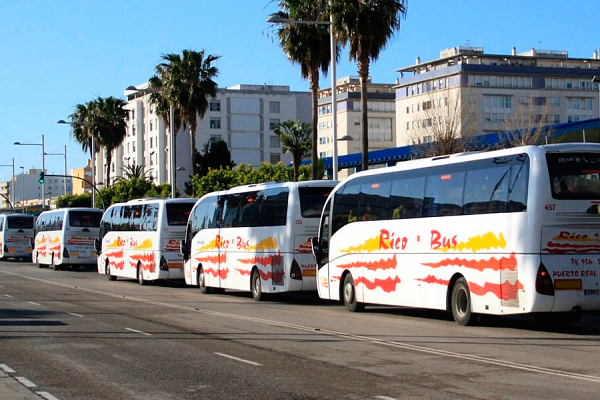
[
  {"x": 308, "y": 45},
  {"x": 111, "y": 126},
  {"x": 295, "y": 138},
  {"x": 81, "y": 126},
  {"x": 367, "y": 26},
  {"x": 184, "y": 82}
]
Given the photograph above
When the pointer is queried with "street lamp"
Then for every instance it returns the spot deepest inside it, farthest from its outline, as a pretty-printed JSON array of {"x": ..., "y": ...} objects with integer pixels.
[
  {"x": 43, "y": 166},
  {"x": 93, "y": 150},
  {"x": 278, "y": 20},
  {"x": 171, "y": 149},
  {"x": 65, "y": 177},
  {"x": 22, "y": 190}
]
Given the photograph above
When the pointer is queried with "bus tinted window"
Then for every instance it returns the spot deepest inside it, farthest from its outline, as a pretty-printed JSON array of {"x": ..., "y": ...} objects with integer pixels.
[
  {"x": 19, "y": 222},
  {"x": 84, "y": 219},
  {"x": 574, "y": 176},
  {"x": 312, "y": 200},
  {"x": 178, "y": 213}
]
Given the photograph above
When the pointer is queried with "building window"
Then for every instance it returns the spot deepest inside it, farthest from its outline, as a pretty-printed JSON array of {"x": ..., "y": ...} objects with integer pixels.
[
  {"x": 215, "y": 123},
  {"x": 215, "y": 138},
  {"x": 151, "y": 125},
  {"x": 215, "y": 105},
  {"x": 274, "y": 141},
  {"x": 273, "y": 122},
  {"x": 274, "y": 107},
  {"x": 275, "y": 158}
]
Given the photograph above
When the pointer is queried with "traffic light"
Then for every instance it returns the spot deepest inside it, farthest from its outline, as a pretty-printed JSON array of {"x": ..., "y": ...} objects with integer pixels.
[{"x": 41, "y": 177}]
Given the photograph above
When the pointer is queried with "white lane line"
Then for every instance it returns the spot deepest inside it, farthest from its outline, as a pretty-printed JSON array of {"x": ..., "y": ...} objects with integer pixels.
[
  {"x": 7, "y": 369},
  {"x": 34, "y": 303},
  {"x": 304, "y": 328},
  {"x": 25, "y": 382},
  {"x": 385, "y": 398},
  {"x": 140, "y": 332},
  {"x": 75, "y": 315},
  {"x": 8, "y": 295},
  {"x": 239, "y": 359},
  {"x": 46, "y": 396}
]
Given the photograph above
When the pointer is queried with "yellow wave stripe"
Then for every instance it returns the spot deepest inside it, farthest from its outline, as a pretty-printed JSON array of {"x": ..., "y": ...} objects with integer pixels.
[
  {"x": 480, "y": 242},
  {"x": 209, "y": 246},
  {"x": 265, "y": 244},
  {"x": 145, "y": 245},
  {"x": 368, "y": 246}
]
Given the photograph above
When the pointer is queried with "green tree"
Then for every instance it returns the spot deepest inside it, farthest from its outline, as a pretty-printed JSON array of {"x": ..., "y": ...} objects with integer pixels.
[
  {"x": 74, "y": 200},
  {"x": 215, "y": 155},
  {"x": 295, "y": 138},
  {"x": 185, "y": 82},
  {"x": 82, "y": 129},
  {"x": 366, "y": 26},
  {"x": 309, "y": 46}
]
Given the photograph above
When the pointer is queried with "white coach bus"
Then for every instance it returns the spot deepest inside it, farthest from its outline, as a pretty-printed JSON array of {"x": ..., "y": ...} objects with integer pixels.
[
  {"x": 65, "y": 237},
  {"x": 502, "y": 232},
  {"x": 16, "y": 236},
  {"x": 255, "y": 238},
  {"x": 141, "y": 239}
]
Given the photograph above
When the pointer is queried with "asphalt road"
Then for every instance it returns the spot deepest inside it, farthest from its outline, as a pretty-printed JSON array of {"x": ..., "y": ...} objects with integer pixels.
[{"x": 78, "y": 336}]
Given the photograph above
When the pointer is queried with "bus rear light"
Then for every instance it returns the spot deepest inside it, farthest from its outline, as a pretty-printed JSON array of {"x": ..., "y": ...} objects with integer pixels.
[
  {"x": 543, "y": 281},
  {"x": 65, "y": 253},
  {"x": 296, "y": 271},
  {"x": 164, "y": 266}
]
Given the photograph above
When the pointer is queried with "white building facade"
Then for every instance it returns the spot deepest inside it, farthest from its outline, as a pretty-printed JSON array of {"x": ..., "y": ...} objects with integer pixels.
[{"x": 244, "y": 116}]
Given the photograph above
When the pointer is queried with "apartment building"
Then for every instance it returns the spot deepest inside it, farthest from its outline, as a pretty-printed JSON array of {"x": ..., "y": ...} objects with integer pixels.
[
  {"x": 381, "y": 118},
  {"x": 485, "y": 93},
  {"x": 244, "y": 116}
]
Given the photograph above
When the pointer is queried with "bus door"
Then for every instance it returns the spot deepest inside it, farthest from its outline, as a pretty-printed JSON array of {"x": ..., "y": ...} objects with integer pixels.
[{"x": 320, "y": 246}]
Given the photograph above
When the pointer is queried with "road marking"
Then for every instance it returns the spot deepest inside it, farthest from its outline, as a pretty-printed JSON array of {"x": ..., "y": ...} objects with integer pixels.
[
  {"x": 7, "y": 369},
  {"x": 320, "y": 331},
  {"x": 34, "y": 303},
  {"x": 239, "y": 359},
  {"x": 74, "y": 314},
  {"x": 25, "y": 382},
  {"x": 7, "y": 295},
  {"x": 140, "y": 332},
  {"x": 385, "y": 398},
  {"x": 46, "y": 396}
]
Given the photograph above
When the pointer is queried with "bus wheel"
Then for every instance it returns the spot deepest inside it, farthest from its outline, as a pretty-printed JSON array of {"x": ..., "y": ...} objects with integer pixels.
[
  {"x": 107, "y": 272},
  {"x": 460, "y": 303},
  {"x": 140, "y": 276},
  {"x": 202, "y": 282},
  {"x": 349, "y": 295},
  {"x": 257, "y": 292},
  {"x": 54, "y": 266}
]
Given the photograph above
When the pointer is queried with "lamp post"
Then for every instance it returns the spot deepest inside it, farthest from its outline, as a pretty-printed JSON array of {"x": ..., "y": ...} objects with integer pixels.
[
  {"x": 93, "y": 150},
  {"x": 12, "y": 189},
  {"x": 65, "y": 177},
  {"x": 22, "y": 190},
  {"x": 278, "y": 20},
  {"x": 43, "y": 166}
]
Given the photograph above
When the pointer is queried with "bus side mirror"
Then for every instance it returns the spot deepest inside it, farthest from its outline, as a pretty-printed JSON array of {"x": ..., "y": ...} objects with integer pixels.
[
  {"x": 98, "y": 245},
  {"x": 183, "y": 249},
  {"x": 316, "y": 248}
]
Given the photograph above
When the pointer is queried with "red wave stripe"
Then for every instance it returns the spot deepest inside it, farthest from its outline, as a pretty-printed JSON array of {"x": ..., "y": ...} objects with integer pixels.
[
  {"x": 388, "y": 285},
  {"x": 504, "y": 263},
  {"x": 276, "y": 259},
  {"x": 389, "y": 263},
  {"x": 504, "y": 291},
  {"x": 435, "y": 280},
  {"x": 222, "y": 273},
  {"x": 561, "y": 248},
  {"x": 118, "y": 264},
  {"x": 144, "y": 257},
  {"x": 243, "y": 271},
  {"x": 116, "y": 254},
  {"x": 274, "y": 276},
  {"x": 219, "y": 258}
]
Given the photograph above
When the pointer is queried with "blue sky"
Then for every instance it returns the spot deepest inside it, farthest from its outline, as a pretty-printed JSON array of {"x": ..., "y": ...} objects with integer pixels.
[{"x": 56, "y": 54}]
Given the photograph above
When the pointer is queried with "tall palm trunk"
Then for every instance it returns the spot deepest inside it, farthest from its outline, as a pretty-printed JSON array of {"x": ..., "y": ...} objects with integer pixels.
[
  {"x": 193, "y": 126},
  {"x": 314, "y": 90},
  {"x": 363, "y": 73},
  {"x": 108, "y": 163}
]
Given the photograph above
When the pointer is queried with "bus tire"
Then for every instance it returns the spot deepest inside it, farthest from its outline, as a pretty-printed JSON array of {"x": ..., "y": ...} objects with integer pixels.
[
  {"x": 140, "y": 276},
  {"x": 110, "y": 276},
  {"x": 460, "y": 303},
  {"x": 349, "y": 295},
  {"x": 202, "y": 282},
  {"x": 256, "y": 287},
  {"x": 54, "y": 266}
]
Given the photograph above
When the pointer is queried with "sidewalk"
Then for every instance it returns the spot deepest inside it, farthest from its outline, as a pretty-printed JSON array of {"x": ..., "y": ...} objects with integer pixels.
[{"x": 11, "y": 389}]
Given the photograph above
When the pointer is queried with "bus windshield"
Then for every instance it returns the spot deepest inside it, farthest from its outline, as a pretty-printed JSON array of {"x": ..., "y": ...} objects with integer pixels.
[
  {"x": 312, "y": 200},
  {"x": 574, "y": 176},
  {"x": 85, "y": 219},
  {"x": 19, "y": 222},
  {"x": 178, "y": 213}
]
